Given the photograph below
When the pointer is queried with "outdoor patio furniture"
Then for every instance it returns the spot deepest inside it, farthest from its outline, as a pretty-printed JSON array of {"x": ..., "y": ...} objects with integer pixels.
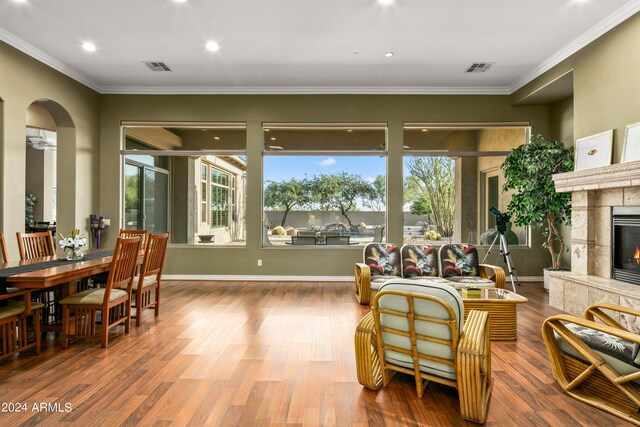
[
  {"x": 417, "y": 330},
  {"x": 597, "y": 363}
]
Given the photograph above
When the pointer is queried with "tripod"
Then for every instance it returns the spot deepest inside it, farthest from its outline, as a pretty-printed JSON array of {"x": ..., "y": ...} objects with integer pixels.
[{"x": 506, "y": 256}]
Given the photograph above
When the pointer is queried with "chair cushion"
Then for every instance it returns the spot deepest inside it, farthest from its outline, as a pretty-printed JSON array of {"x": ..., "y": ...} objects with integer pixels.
[
  {"x": 377, "y": 281},
  {"x": 443, "y": 291},
  {"x": 459, "y": 260},
  {"x": 14, "y": 308},
  {"x": 383, "y": 260},
  {"x": 419, "y": 261},
  {"x": 93, "y": 297},
  {"x": 147, "y": 282},
  {"x": 617, "y": 352}
]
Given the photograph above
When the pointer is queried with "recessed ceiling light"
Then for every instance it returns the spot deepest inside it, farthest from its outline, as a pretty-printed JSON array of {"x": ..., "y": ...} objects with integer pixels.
[
  {"x": 212, "y": 46},
  {"x": 349, "y": 130},
  {"x": 180, "y": 1},
  {"x": 217, "y": 138},
  {"x": 273, "y": 138},
  {"x": 425, "y": 130},
  {"x": 386, "y": 2},
  {"x": 19, "y": 1},
  {"x": 388, "y": 54},
  {"x": 89, "y": 47},
  {"x": 267, "y": 130}
]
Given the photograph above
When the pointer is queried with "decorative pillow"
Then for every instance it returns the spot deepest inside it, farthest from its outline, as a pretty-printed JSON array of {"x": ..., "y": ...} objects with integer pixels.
[
  {"x": 459, "y": 260},
  {"x": 419, "y": 261},
  {"x": 383, "y": 260},
  {"x": 604, "y": 343}
]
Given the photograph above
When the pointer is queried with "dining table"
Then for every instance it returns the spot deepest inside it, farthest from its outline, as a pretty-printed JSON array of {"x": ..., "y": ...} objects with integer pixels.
[{"x": 53, "y": 272}]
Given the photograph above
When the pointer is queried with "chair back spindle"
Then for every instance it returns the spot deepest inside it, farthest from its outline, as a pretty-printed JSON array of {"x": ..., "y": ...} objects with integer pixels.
[{"x": 143, "y": 234}]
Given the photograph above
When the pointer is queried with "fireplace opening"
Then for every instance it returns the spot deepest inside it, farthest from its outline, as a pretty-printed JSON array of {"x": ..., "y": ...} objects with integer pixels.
[{"x": 626, "y": 244}]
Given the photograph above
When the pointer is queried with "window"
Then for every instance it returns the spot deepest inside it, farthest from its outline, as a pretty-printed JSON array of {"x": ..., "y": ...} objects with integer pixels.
[
  {"x": 188, "y": 179},
  {"x": 324, "y": 184},
  {"x": 452, "y": 179}
]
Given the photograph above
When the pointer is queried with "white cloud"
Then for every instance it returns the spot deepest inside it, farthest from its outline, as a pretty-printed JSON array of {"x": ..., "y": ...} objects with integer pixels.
[
  {"x": 327, "y": 162},
  {"x": 370, "y": 179}
]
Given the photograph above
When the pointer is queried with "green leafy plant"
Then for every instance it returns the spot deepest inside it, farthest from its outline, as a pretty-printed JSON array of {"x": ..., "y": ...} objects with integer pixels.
[
  {"x": 279, "y": 231},
  {"x": 528, "y": 170},
  {"x": 29, "y": 208}
]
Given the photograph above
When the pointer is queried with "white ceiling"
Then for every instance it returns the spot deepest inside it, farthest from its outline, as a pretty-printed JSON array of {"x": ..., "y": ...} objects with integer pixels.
[{"x": 305, "y": 46}]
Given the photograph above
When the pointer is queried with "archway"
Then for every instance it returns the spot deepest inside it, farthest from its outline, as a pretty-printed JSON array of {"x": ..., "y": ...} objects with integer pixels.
[{"x": 50, "y": 166}]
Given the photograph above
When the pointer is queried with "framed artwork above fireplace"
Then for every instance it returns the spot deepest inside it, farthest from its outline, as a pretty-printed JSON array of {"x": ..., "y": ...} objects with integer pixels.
[
  {"x": 631, "y": 150},
  {"x": 594, "y": 151}
]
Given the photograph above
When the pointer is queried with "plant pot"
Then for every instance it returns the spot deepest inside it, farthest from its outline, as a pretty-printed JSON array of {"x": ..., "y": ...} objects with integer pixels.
[{"x": 545, "y": 275}]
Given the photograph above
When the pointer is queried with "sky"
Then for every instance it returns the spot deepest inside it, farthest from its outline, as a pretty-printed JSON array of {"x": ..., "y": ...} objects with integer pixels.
[{"x": 283, "y": 168}]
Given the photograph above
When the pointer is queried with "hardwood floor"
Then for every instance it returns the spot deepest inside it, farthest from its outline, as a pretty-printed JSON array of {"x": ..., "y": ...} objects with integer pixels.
[{"x": 267, "y": 353}]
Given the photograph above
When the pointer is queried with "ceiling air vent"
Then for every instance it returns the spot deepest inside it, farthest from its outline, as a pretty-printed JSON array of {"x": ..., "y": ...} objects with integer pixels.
[
  {"x": 479, "y": 67},
  {"x": 157, "y": 66}
]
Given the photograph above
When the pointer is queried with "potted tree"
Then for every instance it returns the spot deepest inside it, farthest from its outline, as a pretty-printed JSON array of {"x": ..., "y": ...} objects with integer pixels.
[{"x": 528, "y": 170}]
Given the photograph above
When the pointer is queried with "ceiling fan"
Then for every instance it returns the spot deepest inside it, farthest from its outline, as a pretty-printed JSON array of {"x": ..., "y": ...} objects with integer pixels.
[{"x": 41, "y": 139}]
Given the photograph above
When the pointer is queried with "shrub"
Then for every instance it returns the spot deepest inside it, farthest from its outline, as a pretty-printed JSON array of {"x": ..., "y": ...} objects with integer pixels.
[{"x": 279, "y": 231}]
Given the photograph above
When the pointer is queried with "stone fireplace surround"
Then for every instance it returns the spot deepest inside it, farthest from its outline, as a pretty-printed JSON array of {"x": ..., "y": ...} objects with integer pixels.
[{"x": 594, "y": 192}]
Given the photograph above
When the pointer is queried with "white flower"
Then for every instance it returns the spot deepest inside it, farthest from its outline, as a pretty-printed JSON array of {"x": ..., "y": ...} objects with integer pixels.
[{"x": 76, "y": 242}]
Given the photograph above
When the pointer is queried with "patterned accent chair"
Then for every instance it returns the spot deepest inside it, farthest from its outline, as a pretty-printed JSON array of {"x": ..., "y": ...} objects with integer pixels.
[
  {"x": 417, "y": 329},
  {"x": 381, "y": 263},
  {"x": 597, "y": 363},
  {"x": 421, "y": 263},
  {"x": 459, "y": 264}
]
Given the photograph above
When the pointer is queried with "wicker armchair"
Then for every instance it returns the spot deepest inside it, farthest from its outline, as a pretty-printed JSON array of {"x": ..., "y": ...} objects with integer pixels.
[
  {"x": 597, "y": 363},
  {"x": 417, "y": 330},
  {"x": 381, "y": 263},
  {"x": 459, "y": 263}
]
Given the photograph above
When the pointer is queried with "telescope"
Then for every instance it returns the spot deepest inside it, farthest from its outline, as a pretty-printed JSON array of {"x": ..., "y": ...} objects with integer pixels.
[{"x": 502, "y": 218}]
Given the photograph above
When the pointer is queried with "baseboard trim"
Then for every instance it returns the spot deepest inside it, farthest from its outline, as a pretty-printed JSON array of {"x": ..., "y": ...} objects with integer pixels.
[{"x": 276, "y": 278}]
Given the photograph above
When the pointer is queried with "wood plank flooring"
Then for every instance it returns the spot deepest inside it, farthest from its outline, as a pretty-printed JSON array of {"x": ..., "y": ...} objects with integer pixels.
[{"x": 267, "y": 354}]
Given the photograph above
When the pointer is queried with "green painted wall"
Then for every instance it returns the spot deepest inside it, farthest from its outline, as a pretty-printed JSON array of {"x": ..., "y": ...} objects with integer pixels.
[{"x": 75, "y": 109}]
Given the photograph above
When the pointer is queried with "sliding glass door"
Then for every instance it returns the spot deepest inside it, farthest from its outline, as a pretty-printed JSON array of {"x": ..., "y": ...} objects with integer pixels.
[{"x": 146, "y": 194}]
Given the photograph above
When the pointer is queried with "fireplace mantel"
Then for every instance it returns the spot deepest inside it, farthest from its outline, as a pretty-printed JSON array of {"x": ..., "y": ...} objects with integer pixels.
[
  {"x": 594, "y": 193},
  {"x": 619, "y": 175}
]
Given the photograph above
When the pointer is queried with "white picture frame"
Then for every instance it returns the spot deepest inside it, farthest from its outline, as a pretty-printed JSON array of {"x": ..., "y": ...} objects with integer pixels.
[
  {"x": 631, "y": 150},
  {"x": 594, "y": 151}
]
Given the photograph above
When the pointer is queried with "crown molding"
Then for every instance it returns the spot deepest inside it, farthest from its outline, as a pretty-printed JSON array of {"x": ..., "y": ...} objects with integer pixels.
[
  {"x": 302, "y": 90},
  {"x": 39, "y": 55},
  {"x": 596, "y": 31}
]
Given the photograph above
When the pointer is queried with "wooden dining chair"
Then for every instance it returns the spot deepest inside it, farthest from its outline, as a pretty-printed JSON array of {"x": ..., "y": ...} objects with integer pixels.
[
  {"x": 143, "y": 234},
  {"x": 148, "y": 282},
  {"x": 99, "y": 280},
  {"x": 15, "y": 333},
  {"x": 3, "y": 248},
  {"x": 79, "y": 310},
  {"x": 35, "y": 245}
]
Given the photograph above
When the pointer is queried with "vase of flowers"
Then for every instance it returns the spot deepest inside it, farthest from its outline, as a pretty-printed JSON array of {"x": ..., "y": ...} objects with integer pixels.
[{"x": 73, "y": 243}]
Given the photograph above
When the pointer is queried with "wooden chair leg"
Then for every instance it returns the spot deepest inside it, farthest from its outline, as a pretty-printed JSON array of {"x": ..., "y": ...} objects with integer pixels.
[
  {"x": 65, "y": 326},
  {"x": 157, "y": 306},
  {"x": 104, "y": 334},
  {"x": 127, "y": 322},
  {"x": 363, "y": 283},
  {"x": 36, "y": 330}
]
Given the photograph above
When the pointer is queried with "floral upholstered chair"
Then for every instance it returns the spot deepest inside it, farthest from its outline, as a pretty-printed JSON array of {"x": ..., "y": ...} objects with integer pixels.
[
  {"x": 421, "y": 263},
  {"x": 381, "y": 262},
  {"x": 459, "y": 264},
  {"x": 597, "y": 363},
  {"x": 417, "y": 329}
]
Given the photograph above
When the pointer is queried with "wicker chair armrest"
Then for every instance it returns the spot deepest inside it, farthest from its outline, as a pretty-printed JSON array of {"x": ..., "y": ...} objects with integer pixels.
[
  {"x": 607, "y": 329},
  {"x": 473, "y": 367},
  {"x": 498, "y": 275},
  {"x": 363, "y": 282},
  {"x": 367, "y": 358},
  {"x": 595, "y": 312}
]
